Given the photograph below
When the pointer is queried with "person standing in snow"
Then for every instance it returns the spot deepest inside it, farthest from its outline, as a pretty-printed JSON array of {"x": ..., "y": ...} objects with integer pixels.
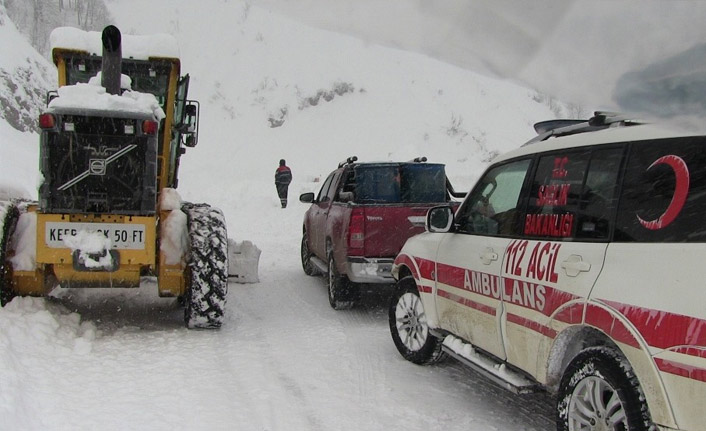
[{"x": 283, "y": 176}]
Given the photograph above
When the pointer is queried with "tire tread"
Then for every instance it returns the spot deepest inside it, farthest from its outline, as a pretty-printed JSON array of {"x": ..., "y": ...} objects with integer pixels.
[{"x": 207, "y": 266}]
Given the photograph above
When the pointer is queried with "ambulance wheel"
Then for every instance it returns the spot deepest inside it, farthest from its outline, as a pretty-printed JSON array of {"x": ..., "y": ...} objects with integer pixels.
[
  {"x": 409, "y": 328},
  {"x": 599, "y": 390}
]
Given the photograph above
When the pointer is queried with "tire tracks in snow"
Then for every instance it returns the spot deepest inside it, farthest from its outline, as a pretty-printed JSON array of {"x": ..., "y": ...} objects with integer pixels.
[{"x": 275, "y": 351}]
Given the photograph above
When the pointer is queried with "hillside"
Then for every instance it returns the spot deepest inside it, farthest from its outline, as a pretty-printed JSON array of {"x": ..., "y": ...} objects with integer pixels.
[{"x": 384, "y": 104}]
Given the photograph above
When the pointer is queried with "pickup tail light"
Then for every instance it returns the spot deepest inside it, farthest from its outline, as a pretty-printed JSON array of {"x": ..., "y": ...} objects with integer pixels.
[{"x": 356, "y": 233}]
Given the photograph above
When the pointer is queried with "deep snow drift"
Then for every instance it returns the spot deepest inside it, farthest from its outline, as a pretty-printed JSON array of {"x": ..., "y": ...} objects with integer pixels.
[{"x": 270, "y": 88}]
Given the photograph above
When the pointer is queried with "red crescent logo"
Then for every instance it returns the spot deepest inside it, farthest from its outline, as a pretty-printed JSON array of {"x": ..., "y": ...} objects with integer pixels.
[{"x": 681, "y": 190}]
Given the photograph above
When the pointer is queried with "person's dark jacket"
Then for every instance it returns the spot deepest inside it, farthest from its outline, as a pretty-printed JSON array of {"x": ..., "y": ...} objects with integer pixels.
[{"x": 283, "y": 175}]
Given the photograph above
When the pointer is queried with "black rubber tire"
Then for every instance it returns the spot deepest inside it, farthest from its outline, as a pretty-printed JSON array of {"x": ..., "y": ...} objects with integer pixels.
[
  {"x": 621, "y": 402},
  {"x": 207, "y": 268},
  {"x": 309, "y": 268},
  {"x": 341, "y": 292},
  {"x": 409, "y": 328},
  {"x": 9, "y": 220}
]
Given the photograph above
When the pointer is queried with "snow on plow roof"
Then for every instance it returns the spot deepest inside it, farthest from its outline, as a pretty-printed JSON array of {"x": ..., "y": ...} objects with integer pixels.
[
  {"x": 92, "y": 97},
  {"x": 133, "y": 46}
]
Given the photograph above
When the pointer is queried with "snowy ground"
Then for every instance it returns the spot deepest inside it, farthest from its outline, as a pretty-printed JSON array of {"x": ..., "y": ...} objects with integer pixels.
[{"x": 284, "y": 360}]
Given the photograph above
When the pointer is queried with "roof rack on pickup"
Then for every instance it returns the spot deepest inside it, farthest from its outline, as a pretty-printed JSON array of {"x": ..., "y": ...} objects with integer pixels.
[
  {"x": 600, "y": 120},
  {"x": 348, "y": 161}
]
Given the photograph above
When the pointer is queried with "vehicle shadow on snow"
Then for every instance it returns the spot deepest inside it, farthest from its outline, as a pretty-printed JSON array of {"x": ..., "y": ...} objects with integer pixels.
[
  {"x": 111, "y": 309},
  {"x": 375, "y": 298},
  {"x": 534, "y": 411}
]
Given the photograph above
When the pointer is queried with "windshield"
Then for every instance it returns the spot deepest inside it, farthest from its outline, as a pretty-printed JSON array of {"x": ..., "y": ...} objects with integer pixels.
[
  {"x": 400, "y": 183},
  {"x": 147, "y": 76}
]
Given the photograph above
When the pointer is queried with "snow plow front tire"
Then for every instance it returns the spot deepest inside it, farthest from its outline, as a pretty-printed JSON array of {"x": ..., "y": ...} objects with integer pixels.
[{"x": 205, "y": 297}]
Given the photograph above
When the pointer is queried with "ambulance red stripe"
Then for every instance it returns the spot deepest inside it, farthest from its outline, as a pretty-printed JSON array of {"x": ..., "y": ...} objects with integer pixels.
[
  {"x": 426, "y": 268},
  {"x": 608, "y": 323},
  {"x": 663, "y": 329},
  {"x": 679, "y": 369},
  {"x": 407, "y": 261},
  {"x": 531, "y": 324},
  {"x": 467, "y": 302}
]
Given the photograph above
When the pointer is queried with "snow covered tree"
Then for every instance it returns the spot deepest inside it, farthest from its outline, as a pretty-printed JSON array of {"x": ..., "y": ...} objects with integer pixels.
[{"x": 37, "y": 18}]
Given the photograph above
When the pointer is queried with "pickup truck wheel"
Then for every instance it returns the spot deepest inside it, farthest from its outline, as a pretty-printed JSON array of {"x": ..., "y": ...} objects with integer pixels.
[
  {"x": 309, "y": 268},
  {"x": 205, "y": 298},
  {"x": 340, "y": 291},
  {"x": 599, "y": 391},
  {"x": 408, "y": 325}
]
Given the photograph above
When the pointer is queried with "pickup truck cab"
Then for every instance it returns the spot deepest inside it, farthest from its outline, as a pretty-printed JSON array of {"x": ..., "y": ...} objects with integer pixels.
[{"x": 362, "y": 216}]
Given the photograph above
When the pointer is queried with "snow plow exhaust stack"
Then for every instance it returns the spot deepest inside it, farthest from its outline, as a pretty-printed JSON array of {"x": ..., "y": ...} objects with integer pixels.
[{"x": 112, "y": 59}]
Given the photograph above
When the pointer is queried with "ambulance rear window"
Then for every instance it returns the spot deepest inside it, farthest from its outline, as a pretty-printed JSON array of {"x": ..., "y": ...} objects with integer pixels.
[{"x": 664, "y": 192}]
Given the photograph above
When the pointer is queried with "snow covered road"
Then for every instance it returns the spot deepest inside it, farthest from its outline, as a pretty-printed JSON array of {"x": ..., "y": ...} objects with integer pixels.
[{"x": 284, "y": 360}]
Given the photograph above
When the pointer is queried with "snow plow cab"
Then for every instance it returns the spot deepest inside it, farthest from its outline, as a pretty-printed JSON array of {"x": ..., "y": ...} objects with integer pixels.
[{"x": 108, "y": 212}]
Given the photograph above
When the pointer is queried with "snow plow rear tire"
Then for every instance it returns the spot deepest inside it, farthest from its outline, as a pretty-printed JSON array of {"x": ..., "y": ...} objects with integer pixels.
[
  {"x": 9, "y": 214},
  {"x": 205, "y": 297}
]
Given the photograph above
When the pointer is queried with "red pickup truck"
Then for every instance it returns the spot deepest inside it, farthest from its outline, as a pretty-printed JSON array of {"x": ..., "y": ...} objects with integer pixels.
[{"x": 362, "y": 217}]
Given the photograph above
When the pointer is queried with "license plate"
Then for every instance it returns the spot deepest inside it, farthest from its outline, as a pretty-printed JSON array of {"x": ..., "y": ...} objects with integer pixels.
[{"x": 122, "y": 236}]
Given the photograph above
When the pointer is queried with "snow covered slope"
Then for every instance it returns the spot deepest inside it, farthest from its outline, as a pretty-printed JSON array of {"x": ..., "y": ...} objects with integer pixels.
[
  {"x": 251, "y": 69},
  {"x": 25, "y": 77}
]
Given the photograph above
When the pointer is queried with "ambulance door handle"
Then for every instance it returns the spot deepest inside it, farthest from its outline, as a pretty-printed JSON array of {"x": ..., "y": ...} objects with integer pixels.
[
  {"x": 573, "y": 265},
  {"x": 488, "y": 256}
]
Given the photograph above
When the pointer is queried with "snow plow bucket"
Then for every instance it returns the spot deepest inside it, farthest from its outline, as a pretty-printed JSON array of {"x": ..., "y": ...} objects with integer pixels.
[{"x": 243, "y": 261}]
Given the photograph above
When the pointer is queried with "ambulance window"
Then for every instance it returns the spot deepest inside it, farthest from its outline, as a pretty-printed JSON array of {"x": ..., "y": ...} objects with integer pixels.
[
  {"x": 555, "y": 195},
  {"x": 492, "y": 207},
  {"x": 598, "y": 198},
  {"x": 664, "y": 192}
]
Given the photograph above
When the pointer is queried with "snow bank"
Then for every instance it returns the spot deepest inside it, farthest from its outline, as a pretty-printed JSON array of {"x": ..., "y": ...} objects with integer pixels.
[
  {"x": 19, "y": 163},
  {"x": 25, "y": 243},
  {"x": 175, "y": 232},
  {"x": 169, "y": 199},
  {"x": 175, "y": 237},
  {"x": 32, "y": 331}
]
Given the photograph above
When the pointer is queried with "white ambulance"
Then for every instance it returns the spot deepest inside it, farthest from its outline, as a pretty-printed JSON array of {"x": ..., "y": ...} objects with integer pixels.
[{"x": 577, "y": 265}]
